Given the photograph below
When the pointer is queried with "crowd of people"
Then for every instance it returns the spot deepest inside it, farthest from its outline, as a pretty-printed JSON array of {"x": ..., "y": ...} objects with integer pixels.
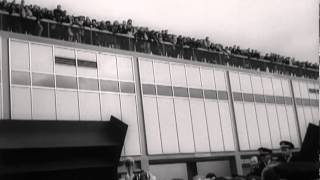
[{"x": 106, "y": 33}]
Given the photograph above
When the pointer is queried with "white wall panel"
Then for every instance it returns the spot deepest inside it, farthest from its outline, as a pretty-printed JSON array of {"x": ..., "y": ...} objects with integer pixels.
[
  {"x": 220, "y": 79},
  {"x": 178, "y": 75},
  {"x": 274, "y": 125},
  {"x": 193, "y": 77},
  {"x": 256, "y": 85},
  {"x": 315, "y": 115},
  {"x": 107, "y": 67},
  {"x": 162, "y": 73},
  {"x": 89, "y": 106},
  {"x": 146, "y": 71},
  {"x": 226, "y": 126},
  {"x": 19, "y": 55},
  {"x": 152, "y": 125},
  {"x": 304, "y": 90},
  {"x": 296, "y": 89},
  {"x": 308, "y": 115},
  {"x": 267, "y": 86},
  {"x": 199, "y": 125},
  {"x": 263, "y": 125},
  {"x": 214, "y": 125},
  {"x": 252, "y": 124},
  {"x": 184, "y": 125},
  {"x": 67, "y": 105},
  {"x": 277, "y": 87},
  {"x": 235, "y": 82},
  {"x": 110, "y": 106},
  {"x": 20, "y": 103},
  {"x": 245, "y": 82},
  {"x": 302, "y": 122},
  {"x": 241, "y": 126},
  {"x": 41, "y": 58},
  {"x": 62, "y": 68},
  {"x": 283, "y": 122},
  {"x": 125, "y": 72},
  {"x": 207, "y": 78},
  {"x": 286, "y": 88},
  {"x": 167, "y": 125},
  {"x": 293, "y": 126},
  {"x": 311, "y": 86},
  {"x": 43, "y": 104},
  {"x": 129, "y": 116},
  {"x": 84, "y": 70}
]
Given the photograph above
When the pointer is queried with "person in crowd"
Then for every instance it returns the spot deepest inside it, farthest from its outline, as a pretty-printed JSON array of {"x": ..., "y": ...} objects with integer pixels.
[
  {"x": 129, "y": 164},
  {"x": 210, "y": 176}
]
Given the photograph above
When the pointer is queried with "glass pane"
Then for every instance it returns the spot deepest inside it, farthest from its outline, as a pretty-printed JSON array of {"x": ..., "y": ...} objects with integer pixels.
[
  {"x": 125, "y": 69},
  {"x": 88, "y": 84},
  {"x": 149, "y": 89},
  {"x": 237, "y": 96},
  {"x": 299, "y": 101},
  {"x": 87, "y": 64},
  {"x": 210, "y": 94},
  {"x": 259, "y": 98},
  {"x": 66, "y": 82},
  {"x": 127, "y": 87},
  {"x": 46, "y": 80},
  {"x": 279, "y": 100},
  {"x": 112, "y": 86},
  {"x": 107, "y": 66},
  {"x": 180, "y": 92},
  {"x": 195, "y": 93},
  {"x": 222, "y": 95},
  {"x": 248, "y": 97},
  {"x": 43, "y": 104},
  {"x": 288, "y": 100},
  {"x": 21, "y": 78},
  {"x": 19, "y": 55},
  {"x": 270, "y": 99},
  {"x": 306, "y": 102},
  {"x": 65, "y": 66},
  {"x": 41, "y": 58},
  {"x": 164, "y": 90}
]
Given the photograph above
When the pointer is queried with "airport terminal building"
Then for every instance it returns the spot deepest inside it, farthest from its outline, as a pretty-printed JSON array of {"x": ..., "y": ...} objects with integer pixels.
[{"x": 184, "y": 117}]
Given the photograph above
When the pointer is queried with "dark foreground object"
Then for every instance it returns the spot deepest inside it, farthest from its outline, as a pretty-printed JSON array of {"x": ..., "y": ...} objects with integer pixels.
[{"x": 48, "y": 150}]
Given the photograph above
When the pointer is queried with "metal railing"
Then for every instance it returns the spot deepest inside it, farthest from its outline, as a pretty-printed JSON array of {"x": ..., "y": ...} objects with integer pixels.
[{"x": 64, "y": 31}]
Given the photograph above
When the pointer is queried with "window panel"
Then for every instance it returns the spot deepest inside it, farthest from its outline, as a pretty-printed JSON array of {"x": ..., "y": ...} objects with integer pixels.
[
  {"x": 274, "y": 125},
  {"x": 86, "y": 68},
  {"x": 67, "y": 105},
  {"x": 164, "y": 90},
  {"x": 107, "y": 66},
  {"x": 178, "y": 75},
  {"x": 220, "y": 79},
  {"x": 263, "y": 125},
  {"x": 88, "y": 84},
  {"x": 207, "y": 78},
  {"x": 162, "y": 73},
  {"x": 45, "y": 80},
  {"x": 41, "y": 58},
  {"x": 256, "y": 84},
  {"x": 127, "y": 87},
  {"x": 245, "y": 82},
  {"x": 214, "y": 126},
  {"x": 193, "y": 77},
  {"x": 241, "y": 126},
  {"x": 110, "y": 86},
  {"x": 248, "y": 97},
  {"x": 152, "y": 125},
  {"x": 168, "y": 125},
  {"x": 259, "y": 98},
  {"x": 180, "y": 92},
  {"x": 196, "y": 93},
  {"x": 184, "y": 125},
  {"x": 149, "y": 89},
  {"x": 20, "y": 78},
  {"x": 65, "y": 66},
  {"x": 19, "y": 61},
  {"x": 146, "y": 71},
  {"x": 226, "y": 126},
  {"x": 89, "y": 106},
  {"x": 66, "y": 82},
  {"x": 130, "y": 117},
  {"x": 210, "y": 94},
  {"x": 222, "y": 95},
  {"x": 20, "y": 103},
  {"x": 125, "y": 69},
  {"x": 43, "y": 104},
  {"x": 110, "y": 106},
  {"x": 235, "y": 82},
  {"x": 199, "y": 126},
  {"x": 253, "y": 130}
]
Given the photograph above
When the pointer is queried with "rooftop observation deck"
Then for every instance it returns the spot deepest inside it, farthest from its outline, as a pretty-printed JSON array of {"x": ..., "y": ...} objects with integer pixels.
[{"x": 93, "y": 36}]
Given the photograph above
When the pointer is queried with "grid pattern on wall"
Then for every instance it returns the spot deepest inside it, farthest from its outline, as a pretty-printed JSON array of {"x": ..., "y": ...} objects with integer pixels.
[
  {"x": 59, "y": 83},
  {"x": 307, "y": 103},
  {"x": 186, "y": 108},
  {"x": 264, "y": 111}
]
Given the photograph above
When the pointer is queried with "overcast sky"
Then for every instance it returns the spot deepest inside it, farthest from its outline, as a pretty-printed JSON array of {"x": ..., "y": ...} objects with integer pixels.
[{"x": 286, "y": 27}]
